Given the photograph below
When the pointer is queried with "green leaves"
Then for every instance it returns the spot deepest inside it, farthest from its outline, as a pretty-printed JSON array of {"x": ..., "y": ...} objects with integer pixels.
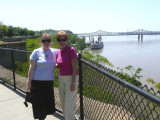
[
  {"x": 156, "y": 85},
  {"x": 134, "y": 74},
  {"x": 97, "y": 58},
  {"x": 102, "y": 59}
]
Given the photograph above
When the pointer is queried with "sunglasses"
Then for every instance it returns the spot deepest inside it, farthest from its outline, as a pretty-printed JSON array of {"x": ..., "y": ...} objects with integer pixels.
[
  {"x": 48, "y": 40},
  {"x": 60, "y": 40}
]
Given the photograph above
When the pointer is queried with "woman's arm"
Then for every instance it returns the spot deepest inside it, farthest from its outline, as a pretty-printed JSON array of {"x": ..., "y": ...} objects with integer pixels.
[
  {"x": 30, "y": 72},
  {"x": 74, "y": 65}
]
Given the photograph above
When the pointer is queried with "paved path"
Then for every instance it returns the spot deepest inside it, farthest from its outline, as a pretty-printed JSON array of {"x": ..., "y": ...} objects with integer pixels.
[{"x": 12, "y": 107}]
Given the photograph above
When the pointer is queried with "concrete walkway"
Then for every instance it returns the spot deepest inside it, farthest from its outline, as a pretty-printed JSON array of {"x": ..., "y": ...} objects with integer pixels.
[{"x": 13, "y": 108}]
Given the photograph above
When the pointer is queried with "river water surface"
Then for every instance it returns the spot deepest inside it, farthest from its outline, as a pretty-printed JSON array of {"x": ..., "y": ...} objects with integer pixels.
[{"x": 122, "y": 51}]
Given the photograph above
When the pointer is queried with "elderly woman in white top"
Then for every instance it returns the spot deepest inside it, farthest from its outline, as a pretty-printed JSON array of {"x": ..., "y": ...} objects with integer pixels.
[{"x": 41, "y": 76}]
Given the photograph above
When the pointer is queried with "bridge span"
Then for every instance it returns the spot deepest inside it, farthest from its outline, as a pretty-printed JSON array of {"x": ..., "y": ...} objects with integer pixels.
[{"x": 139, "y": 33}]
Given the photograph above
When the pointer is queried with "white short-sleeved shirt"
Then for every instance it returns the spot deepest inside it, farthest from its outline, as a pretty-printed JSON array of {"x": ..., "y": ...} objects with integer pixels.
[{"x": 45, "y": 63}]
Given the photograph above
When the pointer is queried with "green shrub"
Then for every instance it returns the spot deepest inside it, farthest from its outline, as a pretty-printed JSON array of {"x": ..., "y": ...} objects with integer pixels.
[
  {"x": 150, "y": 80},
  {"x": 158, "y": 86},
  {"x": 32, "y": 44}
]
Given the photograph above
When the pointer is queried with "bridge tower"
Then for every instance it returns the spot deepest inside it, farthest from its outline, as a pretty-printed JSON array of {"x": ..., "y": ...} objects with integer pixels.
[
  {"x": 99, "y": 38},
  {"x": 90, "y": 38},
  {"x": 140, "y": 37}
]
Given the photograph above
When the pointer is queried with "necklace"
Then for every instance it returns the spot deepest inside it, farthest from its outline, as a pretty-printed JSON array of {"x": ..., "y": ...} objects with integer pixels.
[{"x": 46, "y": 53}]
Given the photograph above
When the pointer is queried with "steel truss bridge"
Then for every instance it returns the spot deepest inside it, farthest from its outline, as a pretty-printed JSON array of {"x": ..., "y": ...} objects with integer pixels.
[
  {"x": 104, "y": 33},
  {"x": 139, "y": 32}
]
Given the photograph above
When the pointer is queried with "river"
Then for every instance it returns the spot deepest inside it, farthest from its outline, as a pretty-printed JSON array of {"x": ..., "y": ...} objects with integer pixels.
[{"x": 122, "y": 51}]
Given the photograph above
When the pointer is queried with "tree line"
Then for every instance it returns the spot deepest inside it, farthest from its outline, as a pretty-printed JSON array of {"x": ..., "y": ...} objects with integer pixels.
[{"x": 9, "y": 31}]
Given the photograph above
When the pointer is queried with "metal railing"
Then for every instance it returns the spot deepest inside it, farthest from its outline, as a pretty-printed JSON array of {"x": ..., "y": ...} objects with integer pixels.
[{"x": 101, "y": 94}]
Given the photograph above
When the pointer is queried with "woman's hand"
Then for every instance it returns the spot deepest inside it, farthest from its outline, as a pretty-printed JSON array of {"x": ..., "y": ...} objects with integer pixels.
[
  {"x": 73, "y": 86},
  {"x": 57, "y": 66},
  {"x": 30, "y": 72},
  {"x": 74, "y": 65}
]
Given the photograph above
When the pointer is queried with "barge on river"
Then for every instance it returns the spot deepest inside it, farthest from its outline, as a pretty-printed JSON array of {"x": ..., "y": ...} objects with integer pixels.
[{"x": 97, "y": 44}]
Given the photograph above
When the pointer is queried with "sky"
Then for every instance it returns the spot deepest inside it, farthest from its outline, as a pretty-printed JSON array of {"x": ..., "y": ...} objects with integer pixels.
[{"x": 82, "y": 16}]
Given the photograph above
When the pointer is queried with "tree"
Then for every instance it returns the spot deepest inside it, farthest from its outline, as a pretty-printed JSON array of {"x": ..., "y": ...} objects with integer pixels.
[
  {"x": 31, "y": 32},
  {"x": 10, "y": 31},
  {"x": 23, "y": 32},
  {"x": 72, "y": 38},
  {"x": 16, "y": 31},
  {"x": 81, "y": 44},
  {"x": 38, "y": 33},
  {"x": 68, "y": 31},
  {"x": 3, "y": 30}
]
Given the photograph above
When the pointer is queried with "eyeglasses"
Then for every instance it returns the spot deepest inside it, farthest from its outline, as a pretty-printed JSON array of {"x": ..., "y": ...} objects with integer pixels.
[
  {"x": 48, "y": 40},
  {"x": 60, "y": 40}
]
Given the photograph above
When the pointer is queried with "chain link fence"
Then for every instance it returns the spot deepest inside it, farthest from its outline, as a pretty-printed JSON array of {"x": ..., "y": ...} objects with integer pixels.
[
  {"x": 103, "y": 94},
  {"x": 14, "y": 66},
  {"x": 107, "y": 97},
  {"x": 6, "y": 71}
]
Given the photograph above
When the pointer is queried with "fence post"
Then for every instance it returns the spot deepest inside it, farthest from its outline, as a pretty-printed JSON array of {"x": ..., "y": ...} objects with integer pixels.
[
  {"x": 13, "y": 69},
  {"x": 81, "y": 88}
]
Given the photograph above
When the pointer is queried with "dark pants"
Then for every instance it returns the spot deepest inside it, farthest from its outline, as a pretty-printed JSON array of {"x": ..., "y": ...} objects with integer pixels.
[{"x": 43, "y": 102}]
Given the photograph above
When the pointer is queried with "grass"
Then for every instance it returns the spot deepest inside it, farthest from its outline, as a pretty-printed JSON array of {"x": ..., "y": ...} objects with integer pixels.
[
  {"x": 5, "y": 80},
  {"x": 96, "y": 93}
]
